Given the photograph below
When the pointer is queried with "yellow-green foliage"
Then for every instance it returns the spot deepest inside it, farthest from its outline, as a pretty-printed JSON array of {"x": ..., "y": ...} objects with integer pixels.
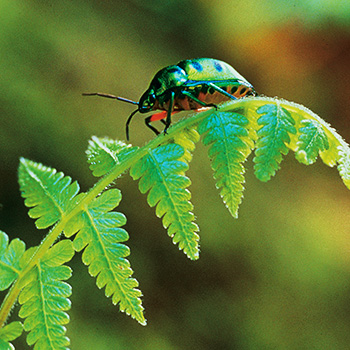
[{"x": 88, "y": 221}]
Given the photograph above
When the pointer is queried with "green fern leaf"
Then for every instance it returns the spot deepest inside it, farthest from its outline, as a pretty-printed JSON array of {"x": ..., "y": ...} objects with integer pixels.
[
  {"x": 227, "y": 135},
  {"x": 48, "y": 192},
  {"x": 9, "y": 333},
  {"x": 10, "y": 255},
  {"x": 277, "y": 123},
  {"x": 187, "y": 139},
  {"x": 44, "y": 299},
  {"x": 101, "y": 236},
  {"x": 312, "y": 140},
  {"x": 162, "y": 174},
  {"x": 104, "y": 154},
  {"x": 344, "y": 164}
]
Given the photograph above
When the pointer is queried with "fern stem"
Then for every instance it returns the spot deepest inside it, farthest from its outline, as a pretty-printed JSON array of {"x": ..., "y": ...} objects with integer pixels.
[
  {"x": 103, "y": 183},
  {"x": 190, "y": 121},
  {"x": 11, "y": 297},
  {"x": 7, "y": 305}
]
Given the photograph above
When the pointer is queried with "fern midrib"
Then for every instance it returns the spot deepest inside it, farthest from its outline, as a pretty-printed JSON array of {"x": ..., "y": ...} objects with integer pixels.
[
  {"x": 106, "y": 149},
  {"x": 273, "y": 138},
  {"x": 43, "y": 306},
  {"x": 164, "y": 181},
  {"x": 228, "y": 159}
]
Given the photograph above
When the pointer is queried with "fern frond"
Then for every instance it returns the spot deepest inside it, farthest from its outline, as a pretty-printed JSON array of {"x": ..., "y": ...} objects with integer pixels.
[
  {"x": 100, "y": 234},
  {"x": 277, "y": 123},
  {"x": 104, "y": 154},
  {"x": 44, "y": 299},
  {"x": 312, "y": 141},
  {"x": 48, "y": 192},
  {"x": 227, "y": 135},
  {"x": 162, "y": 174},
  {"x": 10, "y": 255},
  {"x": 9, "y": 333}
]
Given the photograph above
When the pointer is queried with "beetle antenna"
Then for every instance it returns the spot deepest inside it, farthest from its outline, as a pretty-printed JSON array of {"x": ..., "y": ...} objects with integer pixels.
[
  {"x": 128, "y": 122},
  {"x": 101, "y": 94}
]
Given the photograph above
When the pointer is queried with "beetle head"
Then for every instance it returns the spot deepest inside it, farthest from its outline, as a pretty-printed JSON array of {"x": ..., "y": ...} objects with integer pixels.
[
  {"x": 163, "y": 82},
  {"x": 147, "y": 101}
]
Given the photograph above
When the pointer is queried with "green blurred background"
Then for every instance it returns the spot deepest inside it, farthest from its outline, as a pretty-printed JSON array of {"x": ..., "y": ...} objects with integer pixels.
[{"x": 276, "y": 278}]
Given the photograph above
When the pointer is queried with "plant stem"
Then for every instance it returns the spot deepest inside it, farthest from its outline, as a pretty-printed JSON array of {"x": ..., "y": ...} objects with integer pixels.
[{"x": 103, "y": 183}]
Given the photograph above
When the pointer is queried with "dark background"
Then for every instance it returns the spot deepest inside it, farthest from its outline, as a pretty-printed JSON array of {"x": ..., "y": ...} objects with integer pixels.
[{"x": 276, "y": 278}]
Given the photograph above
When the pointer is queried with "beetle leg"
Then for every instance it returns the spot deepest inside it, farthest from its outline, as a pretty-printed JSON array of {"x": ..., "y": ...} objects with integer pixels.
[
  {"x": 128, "y": 122},
  {"x": 195, "y": 99},
  {"x": 170, "y": 109},
  {"x": 148, "y": 121},
  {"x": 222, "y": 91}
]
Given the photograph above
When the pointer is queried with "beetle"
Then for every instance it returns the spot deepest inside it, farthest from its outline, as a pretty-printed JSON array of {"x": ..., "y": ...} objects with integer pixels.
[{"x": 190, "y": 84}]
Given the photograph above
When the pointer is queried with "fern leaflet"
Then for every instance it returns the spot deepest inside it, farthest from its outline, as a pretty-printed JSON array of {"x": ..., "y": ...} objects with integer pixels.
[
  {"x": 48, "y": 192},
  {"x": 187, "y": 139},
  {"x": 312, "y": 140},
  {"x": 9, "y": 333},
  {"x": 104, "y": 154},
  {"x": 162, "y": 174},
  {"x": 44, "y": 299},
  {"x": 100, "y": 234},
  {"x": 10, "y": 255},
  {"x": 276, "y": 123},
  {"x": 227, "y": 135},
  {"x": 344, "y": 163}
]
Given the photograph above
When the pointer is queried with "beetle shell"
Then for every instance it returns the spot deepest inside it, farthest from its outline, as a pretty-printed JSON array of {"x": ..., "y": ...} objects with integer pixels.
[
  {"x": 209, "y": 69},
  {"x": 193, "y": 76}
]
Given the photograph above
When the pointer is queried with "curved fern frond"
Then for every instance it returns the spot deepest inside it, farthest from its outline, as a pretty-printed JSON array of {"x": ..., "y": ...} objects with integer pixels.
[
  {"x": 10, "y": 255},
  {"x": 9, "y": 333},
  {"x": 44, "y": 298},
  {"x": 333, "y": 150},
  {"x": 277, "y": 123},
  {"x": 48, "y": 192},
  {"x": 270, "y": 126},
  {"x": 162, "y": 174},
  {"x": 228, "y": 137},
  {"x": 104, "y": 154},
  {"x": 101, "y": 236}
]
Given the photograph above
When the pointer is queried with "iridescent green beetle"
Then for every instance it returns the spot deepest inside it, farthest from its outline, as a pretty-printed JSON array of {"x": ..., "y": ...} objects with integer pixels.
[{"x": 190, "y": 84}]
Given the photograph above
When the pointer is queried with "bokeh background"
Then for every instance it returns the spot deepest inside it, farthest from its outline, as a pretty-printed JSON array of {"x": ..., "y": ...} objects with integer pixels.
[{"x": 276, "y": 278}]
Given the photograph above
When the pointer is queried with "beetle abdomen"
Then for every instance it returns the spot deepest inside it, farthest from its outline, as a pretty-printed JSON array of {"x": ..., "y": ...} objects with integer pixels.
[{"x": 209, "y": 96}]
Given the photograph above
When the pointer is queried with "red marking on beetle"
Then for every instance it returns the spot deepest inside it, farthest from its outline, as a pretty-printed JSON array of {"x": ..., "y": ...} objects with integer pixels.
[
  {"x": 158, "y": 116},
  {"x": 161, "y": 115}
]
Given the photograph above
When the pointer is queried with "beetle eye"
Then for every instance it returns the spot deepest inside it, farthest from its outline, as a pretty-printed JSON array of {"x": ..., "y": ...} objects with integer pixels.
[{"x": 152, "y": 99}]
